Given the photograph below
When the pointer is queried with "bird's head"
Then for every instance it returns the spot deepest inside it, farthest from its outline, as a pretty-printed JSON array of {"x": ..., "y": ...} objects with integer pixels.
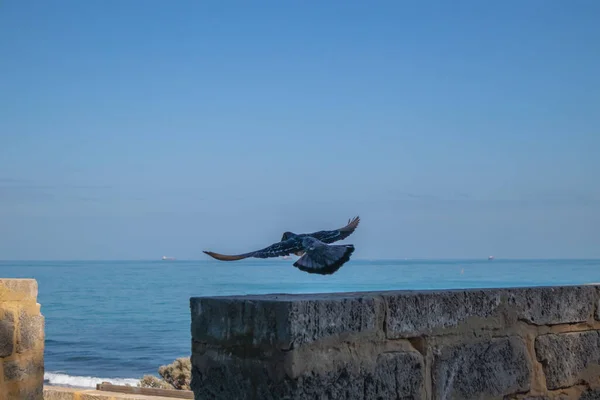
[{"x": 286, "y": 236}]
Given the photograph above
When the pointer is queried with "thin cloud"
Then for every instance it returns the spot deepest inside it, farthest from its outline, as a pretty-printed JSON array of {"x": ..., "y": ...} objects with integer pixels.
[
  {"x": 19, "y": 191},
  {"x": 87, "y": 199},
  {"x": 84, "y": 187},
  {"x": 423, "y": 196},
  {"x": 23, "y": 195},
  {"x": 13, "y": 181}
]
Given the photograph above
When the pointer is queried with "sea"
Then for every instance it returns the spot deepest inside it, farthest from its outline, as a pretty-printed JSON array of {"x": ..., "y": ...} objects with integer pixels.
[{"x": 116, "y": 321}]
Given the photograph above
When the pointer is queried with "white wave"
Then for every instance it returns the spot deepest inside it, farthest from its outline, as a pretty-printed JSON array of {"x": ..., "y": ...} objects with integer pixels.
[{"x": 58, "y": 379}]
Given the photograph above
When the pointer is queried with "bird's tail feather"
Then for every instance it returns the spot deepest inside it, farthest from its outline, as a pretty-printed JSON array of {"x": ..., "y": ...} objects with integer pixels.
[
  {"x": 325, "y": 260},
  {"x": 225, "y": 257}
]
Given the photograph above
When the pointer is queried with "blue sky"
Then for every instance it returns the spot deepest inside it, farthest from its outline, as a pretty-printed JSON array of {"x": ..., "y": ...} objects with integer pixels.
[{"x": 133, "y": 130}]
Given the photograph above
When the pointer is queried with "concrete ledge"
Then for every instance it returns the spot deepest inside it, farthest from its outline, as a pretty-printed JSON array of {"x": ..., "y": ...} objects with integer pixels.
[
  {"x": 66, "y": 393},
  {"x": 538, "y": 342}
]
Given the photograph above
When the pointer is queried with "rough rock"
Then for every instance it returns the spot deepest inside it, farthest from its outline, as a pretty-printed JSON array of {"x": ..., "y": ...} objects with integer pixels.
[
  {"x": 31, "y": 331},
  {"x": 18, "y": 289},
  {"x": 553, "y": 305},
  {"x": 21, "y": 369},
  {"x": 30, "y": 392},
  {"x": 396, "y": 375},
  {"x": 592, "y": 394},
  {"x": 485, "y": 369},
  {"x": 21, "y": 341},
  {"x": 62, "y": 393},
  {"x": 7, "y": 332},
  {"x": 282, "y": 320},
  {"x": 416, "y": 313},
  {"x": 370, "y": 345},
  {"x": 568, "y": 358},
  {"x": 413, "y": 314}
]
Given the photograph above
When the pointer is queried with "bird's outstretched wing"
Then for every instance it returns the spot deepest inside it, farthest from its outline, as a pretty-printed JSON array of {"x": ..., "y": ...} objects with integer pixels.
[
  {"x": 278, "y": 249},
  {"x": 337, "y": 234},
  {"x": 324, "y": 259}
]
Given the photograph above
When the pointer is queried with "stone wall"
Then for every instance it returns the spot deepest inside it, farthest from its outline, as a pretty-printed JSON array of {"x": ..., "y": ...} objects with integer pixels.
[
  {"x": 21, "y": 341},
  {"x": 523, "y": 343}
]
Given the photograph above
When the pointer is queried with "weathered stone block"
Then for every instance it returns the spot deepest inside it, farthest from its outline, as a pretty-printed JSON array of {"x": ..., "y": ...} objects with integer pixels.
[
  {"x": 553, "y": 305},
  {"x": 61, "y": 393},
  {"x": 394, "y": 375},
  {"x": 521, "y": 397},
  {"x": 398, "y": 375},
  {"x": 24, "y": 368},
  {"x": 31, "y": 332},
  {"x": 338, "y": 345},
  {"x": 486, "y": 369},
  {"x": 31, "y": 391},
  {"x": 569, "y": 358},
  {"x": 284, "y": 321},
  {"x": 18, "y": 289},
  {"x": 413, "y": 314},
  {"x": 417, "y": 313},
  {"x": 592, "y": 394},
  {"x": 7, "y": 334}
]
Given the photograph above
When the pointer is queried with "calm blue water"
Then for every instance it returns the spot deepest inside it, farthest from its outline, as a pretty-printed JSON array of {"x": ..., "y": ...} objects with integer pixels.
[{"x": 124, "y": 319}]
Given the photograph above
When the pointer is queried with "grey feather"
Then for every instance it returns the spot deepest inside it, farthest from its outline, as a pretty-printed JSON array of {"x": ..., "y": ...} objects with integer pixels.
[{"x": 321, "y": 258}]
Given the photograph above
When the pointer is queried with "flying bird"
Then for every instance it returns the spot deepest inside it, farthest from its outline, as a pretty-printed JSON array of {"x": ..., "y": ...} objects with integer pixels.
[{"x": 317, "y": 254}]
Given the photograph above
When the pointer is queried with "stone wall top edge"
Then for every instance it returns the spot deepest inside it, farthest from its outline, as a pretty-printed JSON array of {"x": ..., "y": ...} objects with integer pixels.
[
  {"x": 18, "y": 289},
  {"x": 291, "y": 297}
]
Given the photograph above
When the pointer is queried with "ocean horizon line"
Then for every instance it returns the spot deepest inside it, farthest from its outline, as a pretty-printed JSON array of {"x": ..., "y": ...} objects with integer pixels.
[{"x": 393, "y": 259}]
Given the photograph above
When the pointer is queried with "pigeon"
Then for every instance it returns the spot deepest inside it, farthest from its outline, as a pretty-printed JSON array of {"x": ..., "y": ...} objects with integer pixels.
[{"x": 317, "y": 254}]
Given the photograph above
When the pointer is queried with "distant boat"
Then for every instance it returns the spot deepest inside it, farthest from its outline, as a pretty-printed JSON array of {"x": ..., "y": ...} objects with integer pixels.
[
  {"x": 490, "y": 258},
  {"x": 165, "y": 258}
]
